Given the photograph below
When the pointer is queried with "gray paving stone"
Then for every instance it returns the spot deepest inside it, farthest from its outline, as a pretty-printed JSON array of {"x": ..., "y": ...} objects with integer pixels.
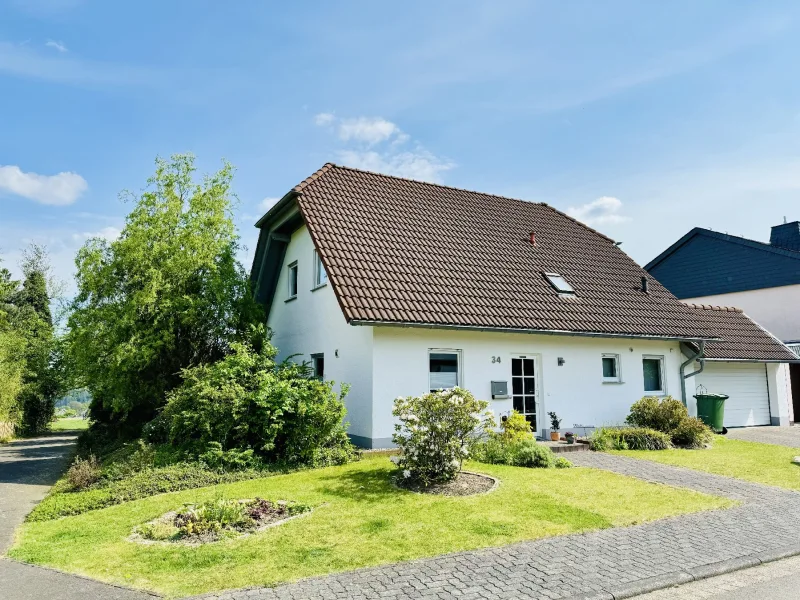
[{"x": 612, "y": 563}]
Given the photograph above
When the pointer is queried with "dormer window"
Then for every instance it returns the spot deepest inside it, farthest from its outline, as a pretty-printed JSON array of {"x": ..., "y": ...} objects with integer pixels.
[{"x": 559, "y": 283}]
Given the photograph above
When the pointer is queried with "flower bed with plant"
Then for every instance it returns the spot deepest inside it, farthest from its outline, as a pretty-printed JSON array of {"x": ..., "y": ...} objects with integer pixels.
[
  {"x": 434, "y": 432},
  {"x": 655, "y": 424},
  {"x": 218, "y": 519},
  {"x": 515, "y": 445}
]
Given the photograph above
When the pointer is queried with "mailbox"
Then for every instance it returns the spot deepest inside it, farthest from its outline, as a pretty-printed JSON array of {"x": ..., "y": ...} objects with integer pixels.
[{"x": 500, "y": 390}]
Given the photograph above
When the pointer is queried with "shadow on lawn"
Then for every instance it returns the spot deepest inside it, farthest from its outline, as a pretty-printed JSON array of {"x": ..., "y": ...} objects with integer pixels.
[{"x": 365, "y": 486}]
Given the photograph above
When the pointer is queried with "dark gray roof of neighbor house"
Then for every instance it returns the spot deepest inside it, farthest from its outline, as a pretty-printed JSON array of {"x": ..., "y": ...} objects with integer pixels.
[
  {"x": 742, "y": 338},
  {"x": 706, "y": 263},
  {"x": 403, "y": 252}
]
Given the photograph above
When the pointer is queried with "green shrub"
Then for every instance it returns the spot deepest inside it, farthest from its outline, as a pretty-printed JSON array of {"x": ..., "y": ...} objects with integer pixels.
[
  {"x": 158, "y": 480},
  {"x": 83, "y": 473},
  {"x": 660, "y": 414},
  {"x": 562, "y": 463},
  {"x": 605, "y": 439},
  {"x": 515, "y": 427},
  {"x": 228, "y": 460},
  {"x": 629, "y": 438},
  {"x": 692, "y": 433},
  {"x": 529, "y": 453},
  {"x": 247, "y": 402},
  {"x": 493, "y": 451},
  {"x": 434, "y": 432}
]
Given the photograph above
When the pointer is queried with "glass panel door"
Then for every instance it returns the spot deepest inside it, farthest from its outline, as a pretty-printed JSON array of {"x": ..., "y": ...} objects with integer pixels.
[{"x": 523, "y": 388}]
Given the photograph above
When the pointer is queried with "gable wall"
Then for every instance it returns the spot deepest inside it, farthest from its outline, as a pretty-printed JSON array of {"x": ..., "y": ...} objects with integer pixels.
[
  {"x": 706, "y": 266},
  {"x": 313, "y": 323},
  {"x": 575, "y": 391}
]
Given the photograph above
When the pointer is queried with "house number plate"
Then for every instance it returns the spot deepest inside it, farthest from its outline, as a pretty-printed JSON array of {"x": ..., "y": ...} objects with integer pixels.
[{"x": 495, "y": 359}]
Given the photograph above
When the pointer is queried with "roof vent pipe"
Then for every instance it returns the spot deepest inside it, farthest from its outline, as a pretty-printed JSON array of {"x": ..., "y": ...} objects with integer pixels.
[
  {"x": 533, "y": 239},
  {"x": 644, "y": 285}
]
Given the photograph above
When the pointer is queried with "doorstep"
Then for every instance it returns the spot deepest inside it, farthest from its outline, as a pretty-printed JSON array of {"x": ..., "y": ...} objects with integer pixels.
[{"x": 558, "y": 447}]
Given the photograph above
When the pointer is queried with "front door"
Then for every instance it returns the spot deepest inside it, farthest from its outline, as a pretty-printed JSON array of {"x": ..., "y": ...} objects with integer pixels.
[{"x": 523, "y": 388}]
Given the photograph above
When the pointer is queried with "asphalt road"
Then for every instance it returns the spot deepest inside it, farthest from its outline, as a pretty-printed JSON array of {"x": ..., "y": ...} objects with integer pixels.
[
  {"x": 28, "y": 468},
  {"x": 772, "y": 581}
]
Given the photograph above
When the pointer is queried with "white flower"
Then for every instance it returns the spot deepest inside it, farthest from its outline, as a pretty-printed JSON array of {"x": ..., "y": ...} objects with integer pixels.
[
  {"x": 406, "y": 473},
  {"x": 394, "y": 459}
]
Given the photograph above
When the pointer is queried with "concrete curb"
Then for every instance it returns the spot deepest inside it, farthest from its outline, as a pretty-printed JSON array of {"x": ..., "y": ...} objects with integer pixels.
[{"x": 674, "y": 578}]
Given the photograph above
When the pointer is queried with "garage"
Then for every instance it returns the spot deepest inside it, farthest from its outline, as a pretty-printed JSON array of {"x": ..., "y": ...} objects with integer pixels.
[
  {"x": 746, "y": 384},
  {"x": 747, "y": 363}
]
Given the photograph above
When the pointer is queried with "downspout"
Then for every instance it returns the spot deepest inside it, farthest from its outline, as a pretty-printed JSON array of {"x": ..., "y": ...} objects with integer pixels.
[{"x": 699, "y": 355}]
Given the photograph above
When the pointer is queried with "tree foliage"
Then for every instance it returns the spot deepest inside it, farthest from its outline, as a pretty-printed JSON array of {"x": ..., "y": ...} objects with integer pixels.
[{"x": 166, "y": 296}]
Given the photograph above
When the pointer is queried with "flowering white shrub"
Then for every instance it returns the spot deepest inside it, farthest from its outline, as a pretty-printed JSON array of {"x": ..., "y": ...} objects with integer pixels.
[{"x": 434, "y": 433}]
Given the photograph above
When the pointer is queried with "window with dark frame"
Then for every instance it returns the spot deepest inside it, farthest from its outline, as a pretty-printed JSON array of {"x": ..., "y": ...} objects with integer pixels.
[
  {"x": 293, "y": 280},
  {"x": 653, "y": 371},
  {"x": 523, "y": 387},
  {"x": 318, "y": 365},
  {"x": 443, "y": 369}
]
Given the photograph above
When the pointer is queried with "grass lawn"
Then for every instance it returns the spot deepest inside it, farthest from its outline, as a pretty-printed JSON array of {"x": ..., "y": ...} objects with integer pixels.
[
  {"x": 69, "y": 424},
  {"x": 762, "y": 463},
  {"x": 360, "y": 519}
]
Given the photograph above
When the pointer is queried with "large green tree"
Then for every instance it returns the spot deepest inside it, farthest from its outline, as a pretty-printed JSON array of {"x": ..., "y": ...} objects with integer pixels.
[
  {"x": 12, "y": 344},
  {"x": 167, "y": 295}
]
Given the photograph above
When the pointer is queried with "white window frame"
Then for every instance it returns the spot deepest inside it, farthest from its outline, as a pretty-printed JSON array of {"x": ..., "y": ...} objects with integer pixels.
[
  {"x": 618, "y": 377},
  {"x": 292, "y": 266},
  {"x": 320, "y": 274},
  {"x": 661, "y": 359},
  {"x": 459, "y": 373},
  {"x": 556, "y": 280}
]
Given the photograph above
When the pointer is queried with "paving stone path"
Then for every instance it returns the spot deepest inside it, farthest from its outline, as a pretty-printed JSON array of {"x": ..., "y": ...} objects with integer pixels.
[
  {"x": 603, "y": 565},
  {"x": 782, "y": 436}
]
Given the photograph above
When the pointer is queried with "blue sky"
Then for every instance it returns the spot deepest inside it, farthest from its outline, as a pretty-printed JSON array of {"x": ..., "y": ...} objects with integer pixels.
[{"x": 644, "y": 119}]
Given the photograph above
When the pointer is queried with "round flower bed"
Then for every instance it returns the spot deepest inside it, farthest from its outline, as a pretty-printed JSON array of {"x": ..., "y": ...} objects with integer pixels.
[
  {"x": 465, "y": 483},
  {"x": 217, "y": 520}
]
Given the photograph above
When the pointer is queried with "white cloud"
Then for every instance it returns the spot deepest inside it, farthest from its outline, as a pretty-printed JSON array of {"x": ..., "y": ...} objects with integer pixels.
[
  {"x": 323, "y": 119},
  {"x": 389, "y": 158},
  {"x": 418, "y": 164},
  {"x": 267, "y": 203},
  {"x": 603, "y": 211},
  {"x": 59, "y": 190},
  {"x": 370, "y": 130},
  {"x": 107, "y": 233},
  {"x": 57, "y": 45}
]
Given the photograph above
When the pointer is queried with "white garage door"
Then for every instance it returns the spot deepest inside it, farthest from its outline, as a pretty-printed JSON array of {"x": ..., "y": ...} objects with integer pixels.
[{"x": 746, "y": 384}]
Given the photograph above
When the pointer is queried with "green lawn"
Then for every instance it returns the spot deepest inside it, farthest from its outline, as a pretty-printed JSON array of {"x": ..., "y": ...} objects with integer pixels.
[
  {"x": 360, "y": 519},
  {"x": 762, "y": 463},
  {"x": 69, "y": 424}
]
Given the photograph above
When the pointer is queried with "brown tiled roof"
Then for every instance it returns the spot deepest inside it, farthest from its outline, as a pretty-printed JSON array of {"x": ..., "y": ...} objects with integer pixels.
[
  {"x": 743, "y": 338},
  {"x": 407, "y": 252}
]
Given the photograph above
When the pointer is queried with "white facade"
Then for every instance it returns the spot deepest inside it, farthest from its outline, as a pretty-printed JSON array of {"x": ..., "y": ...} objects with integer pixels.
[
  {"x": 775, "y": 309},
  {"x": 383, "y": 362},
  {"x": 313, "y": 323}
]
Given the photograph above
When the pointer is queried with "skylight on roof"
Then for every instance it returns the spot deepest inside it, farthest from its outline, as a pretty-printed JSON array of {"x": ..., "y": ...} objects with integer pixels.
[{"x": 559, "y": 283}]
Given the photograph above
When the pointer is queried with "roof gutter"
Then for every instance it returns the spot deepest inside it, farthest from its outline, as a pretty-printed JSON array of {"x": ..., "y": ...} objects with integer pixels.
[
  {"x": 696, "y": 355},
  {"x": 376, "y": 323}
]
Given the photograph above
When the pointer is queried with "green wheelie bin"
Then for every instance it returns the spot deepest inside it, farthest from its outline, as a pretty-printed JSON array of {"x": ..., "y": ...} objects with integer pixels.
[{"x": 711, "y": 410}]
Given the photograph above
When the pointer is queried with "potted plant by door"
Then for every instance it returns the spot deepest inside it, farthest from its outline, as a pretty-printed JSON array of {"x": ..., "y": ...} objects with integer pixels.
[
  {"x": 555, "y": 425},
  {"x": 570, "y": 437}
]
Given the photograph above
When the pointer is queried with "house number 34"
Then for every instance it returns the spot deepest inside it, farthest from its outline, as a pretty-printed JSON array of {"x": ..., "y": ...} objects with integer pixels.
[{"x": 495, "y": 359}]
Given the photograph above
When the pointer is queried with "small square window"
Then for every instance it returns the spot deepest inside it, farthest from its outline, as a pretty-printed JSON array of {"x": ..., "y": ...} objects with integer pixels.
[
  {"x": 444, "y": 369},
  {"x": 320, "y": 276},
  {"x": 293, "y": 280},
  {"x": 653, "y": 370},
  {"x": 611, "y": 372},
  {"x": 559, "y": 283},
  {"x": 318, "y": 365}
]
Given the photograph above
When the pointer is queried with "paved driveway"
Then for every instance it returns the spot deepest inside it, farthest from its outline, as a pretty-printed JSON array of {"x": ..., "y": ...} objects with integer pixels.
[
  {"x": 782, "y": 436},
  {"x": 27, "y": 470}
]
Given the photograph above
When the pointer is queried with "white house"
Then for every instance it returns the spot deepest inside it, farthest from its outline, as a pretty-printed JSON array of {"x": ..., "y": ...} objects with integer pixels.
[{"x": 398, "y": 287}]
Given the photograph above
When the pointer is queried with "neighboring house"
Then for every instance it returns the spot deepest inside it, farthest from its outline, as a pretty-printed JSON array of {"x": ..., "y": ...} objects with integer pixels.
[
  {"x": 708, "y": 267},
  {"x": 398, "y": 287}
]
